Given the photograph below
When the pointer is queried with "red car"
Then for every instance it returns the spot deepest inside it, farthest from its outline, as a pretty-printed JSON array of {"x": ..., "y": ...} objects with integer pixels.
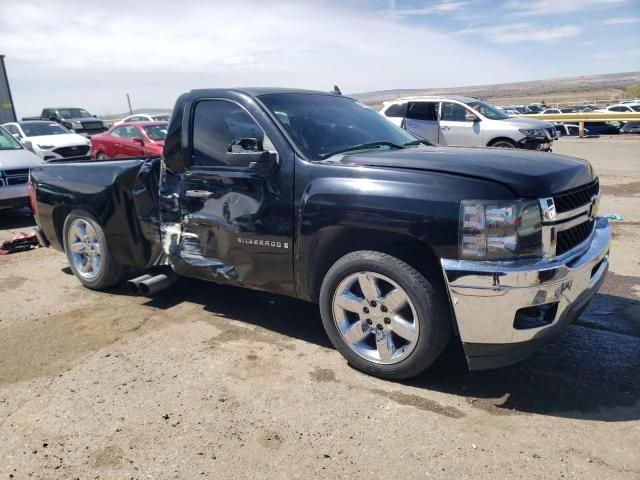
[{"x": 140, "y": 139}]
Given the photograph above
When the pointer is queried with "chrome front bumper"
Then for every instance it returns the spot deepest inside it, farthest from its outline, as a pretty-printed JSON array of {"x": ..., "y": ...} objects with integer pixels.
[{"x": 486, "y": 297}]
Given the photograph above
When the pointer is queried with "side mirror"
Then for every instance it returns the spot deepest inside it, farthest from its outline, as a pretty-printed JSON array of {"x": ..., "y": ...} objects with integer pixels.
[
  {"x": 17, "y": 136},
  {"x": 138, "y": 140},
  {"x": 470, "y": 117},
  {"x": 249, "y": 153},
  {"x": 94, "y": 116}
]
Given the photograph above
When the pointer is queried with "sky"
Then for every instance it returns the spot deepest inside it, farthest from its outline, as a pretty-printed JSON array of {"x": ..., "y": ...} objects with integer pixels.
[{"x": 91, "y": 54}]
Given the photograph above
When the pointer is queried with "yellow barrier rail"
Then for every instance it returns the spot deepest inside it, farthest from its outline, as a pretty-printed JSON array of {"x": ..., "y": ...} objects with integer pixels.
[{"x": 584, "y": 117}]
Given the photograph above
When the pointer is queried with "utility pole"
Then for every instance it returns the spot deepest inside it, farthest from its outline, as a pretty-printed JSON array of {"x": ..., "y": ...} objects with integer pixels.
[
  {"x": 7, "y": 109},
  {"x": 129, "y": 102}
]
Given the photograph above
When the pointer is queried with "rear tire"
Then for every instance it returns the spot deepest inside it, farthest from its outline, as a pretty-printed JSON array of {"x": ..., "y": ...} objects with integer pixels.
[
  {"x": 383, "y": 316},
  {"x": 88, "y": 252}
]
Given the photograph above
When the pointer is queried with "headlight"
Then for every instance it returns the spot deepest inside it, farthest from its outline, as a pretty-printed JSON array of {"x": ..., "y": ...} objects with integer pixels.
[
  {"x": 500, "y": 230},
  {"x": 45, "y": 147},
  {"x": 533, "y": 132},
  {"x": 76, "y": 125}
]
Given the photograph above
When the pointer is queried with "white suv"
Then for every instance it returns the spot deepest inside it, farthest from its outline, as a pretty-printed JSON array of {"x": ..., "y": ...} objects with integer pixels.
[{"x": 467, "y": 122}]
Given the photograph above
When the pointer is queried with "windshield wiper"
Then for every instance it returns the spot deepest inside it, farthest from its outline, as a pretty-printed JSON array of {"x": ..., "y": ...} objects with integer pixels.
[
  {"x": 363, "y": 146},
  {"x": 417, "y": 142}
]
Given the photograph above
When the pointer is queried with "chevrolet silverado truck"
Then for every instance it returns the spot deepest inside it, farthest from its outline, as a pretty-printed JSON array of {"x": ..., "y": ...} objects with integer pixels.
[{"x": 315, "y": 196}]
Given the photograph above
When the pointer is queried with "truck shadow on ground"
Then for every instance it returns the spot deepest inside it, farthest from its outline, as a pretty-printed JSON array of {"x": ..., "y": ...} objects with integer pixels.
[{"x": 588, "y": 374}]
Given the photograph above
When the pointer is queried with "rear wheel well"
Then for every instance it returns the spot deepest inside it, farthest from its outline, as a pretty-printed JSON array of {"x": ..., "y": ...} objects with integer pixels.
[
  {"x": 338, "y": 242},
  {"x": 59, "y": 216}
]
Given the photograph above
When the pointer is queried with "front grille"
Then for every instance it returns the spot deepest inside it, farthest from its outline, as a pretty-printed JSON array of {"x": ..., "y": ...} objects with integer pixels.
[
  {"x": 17, "y": 171},
  {"x": 552, "y": 132},
  {"x": 75, "y": 151},
  {"x": 19, "y": 176},
  {"x": 574, "y": 236},
  {"x": 92, "y": 125},
  {"x": 577, "y": 197}
]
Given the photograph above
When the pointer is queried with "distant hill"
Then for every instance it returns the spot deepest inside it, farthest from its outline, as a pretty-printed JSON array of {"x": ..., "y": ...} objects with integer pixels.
[{"x": 588, "y": 88}]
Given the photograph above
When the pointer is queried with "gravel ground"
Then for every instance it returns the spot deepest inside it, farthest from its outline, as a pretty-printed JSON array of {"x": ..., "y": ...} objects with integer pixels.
[{"x": 204, "y": 381}]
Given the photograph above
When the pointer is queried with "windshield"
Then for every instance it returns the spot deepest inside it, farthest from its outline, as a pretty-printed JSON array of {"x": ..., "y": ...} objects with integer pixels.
[
  {"x": 7, "y": 142},
  {"x": 39, "y": 129},
  {"x": 73, "y": 113},
  {"x": 321, "y": 125},
  {"x": 156, "y": 132},
  {"x": 635, "y": 108},
  {"x": 489, "y": 111}
]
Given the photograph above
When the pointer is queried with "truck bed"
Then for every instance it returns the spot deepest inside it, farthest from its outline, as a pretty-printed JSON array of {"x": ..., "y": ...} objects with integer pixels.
[{"x": 121, "y": 194}]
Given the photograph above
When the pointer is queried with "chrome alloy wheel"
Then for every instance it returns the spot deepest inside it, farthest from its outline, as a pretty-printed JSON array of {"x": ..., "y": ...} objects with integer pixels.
[
  {"x": 375, "y": 317},
  {"x": 86, "y": 251}
]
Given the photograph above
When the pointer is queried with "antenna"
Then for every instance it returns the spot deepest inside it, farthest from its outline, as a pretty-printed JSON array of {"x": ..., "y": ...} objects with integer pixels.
[{"x": 336, "y": 90}]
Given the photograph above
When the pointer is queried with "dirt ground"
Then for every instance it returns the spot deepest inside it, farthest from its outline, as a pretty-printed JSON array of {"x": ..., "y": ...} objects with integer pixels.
[{"x": 204, "y": 381}]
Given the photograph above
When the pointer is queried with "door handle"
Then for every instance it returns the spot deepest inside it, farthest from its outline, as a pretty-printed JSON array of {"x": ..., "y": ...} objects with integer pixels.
[
  {"x": 198, "y": 194},
  {"x": 446, "y": 129}
]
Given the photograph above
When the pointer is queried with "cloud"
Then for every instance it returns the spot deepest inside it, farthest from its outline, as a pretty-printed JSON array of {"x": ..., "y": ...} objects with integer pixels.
[
  {"x": 126, "y": 46},
  {"x": 438, "y": 8},
  {"x": 527, "y": 8},
  {"x": 525, "y": 32},
  {"x": 619, "y": 21}
]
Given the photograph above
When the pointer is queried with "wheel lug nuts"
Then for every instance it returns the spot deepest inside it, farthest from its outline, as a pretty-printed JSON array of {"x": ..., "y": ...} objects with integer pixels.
[
  {"x": 373, "y": 303},
  {"x": 379, "y": 327},
  {"x": 365, "y": 310},
  {"x": 369, "y": 321},
  {"x": 387, "y": 320},
  {"x": 383, "y": 308}
]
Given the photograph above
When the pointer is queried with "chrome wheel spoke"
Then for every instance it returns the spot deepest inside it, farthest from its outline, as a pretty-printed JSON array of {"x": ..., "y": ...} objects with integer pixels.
[
  {"x": 77, "y": 247},
  {"x": 357, "y": 332},
  {"x": 368, "y": 286},
  {"x": 85, "y": 263},
  {"x": 350, "y": 302},
  {"x": 385, "y": 346},
  {"x": 395, "y": 300},
  {"x": 79, "y": 231},
  {"x": 95, "y": 263},
  {"x": 97, "y": 250},
  {"x": 403, "y": 328}
]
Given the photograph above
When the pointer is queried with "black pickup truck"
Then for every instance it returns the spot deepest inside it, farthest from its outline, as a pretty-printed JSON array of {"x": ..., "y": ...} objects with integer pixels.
[
  {"x": 76, "y": 119},
  {"x": 315, "y": 196}
]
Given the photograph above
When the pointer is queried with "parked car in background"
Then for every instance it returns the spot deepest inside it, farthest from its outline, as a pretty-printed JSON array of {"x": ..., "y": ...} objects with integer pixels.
[
  {"x": 77, "y": 119},
  {"x": 144, "y": 139},
  {"x": 511, "y": 112},
  {"x": 627, "y": 107},
  {"x": 49, "y": 140},
  {"x": 15, "y": 163},
  {"x": 557, "y": 110},
  {"x": 145, "y": 117},
  {"x": 467, "y": 122},
  {"x": 604, "y": 128},
  {"x": 571, "y": 130},
  {"x": 630, "y": 127}
]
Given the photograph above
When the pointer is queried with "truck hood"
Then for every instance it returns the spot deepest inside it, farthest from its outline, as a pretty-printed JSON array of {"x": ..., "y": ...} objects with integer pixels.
[
  {"x": 520, "y": 122},
  {"x": 529, "y": 174},
  {"x": 14, "y": 159}
]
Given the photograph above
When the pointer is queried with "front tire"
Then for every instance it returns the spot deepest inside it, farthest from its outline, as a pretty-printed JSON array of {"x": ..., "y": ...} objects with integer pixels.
[
  {"x": 383, "y": 316},
  {"x": 503, "y": 144},
  {"x": 88, "y": 253}
]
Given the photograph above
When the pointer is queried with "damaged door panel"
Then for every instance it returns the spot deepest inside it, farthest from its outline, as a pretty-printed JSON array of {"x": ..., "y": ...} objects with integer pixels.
[{"x": 223, "y": 218}]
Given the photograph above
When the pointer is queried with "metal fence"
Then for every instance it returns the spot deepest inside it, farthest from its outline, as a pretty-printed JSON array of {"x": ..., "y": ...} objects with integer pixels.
[{"x": 585, "y": 117}]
